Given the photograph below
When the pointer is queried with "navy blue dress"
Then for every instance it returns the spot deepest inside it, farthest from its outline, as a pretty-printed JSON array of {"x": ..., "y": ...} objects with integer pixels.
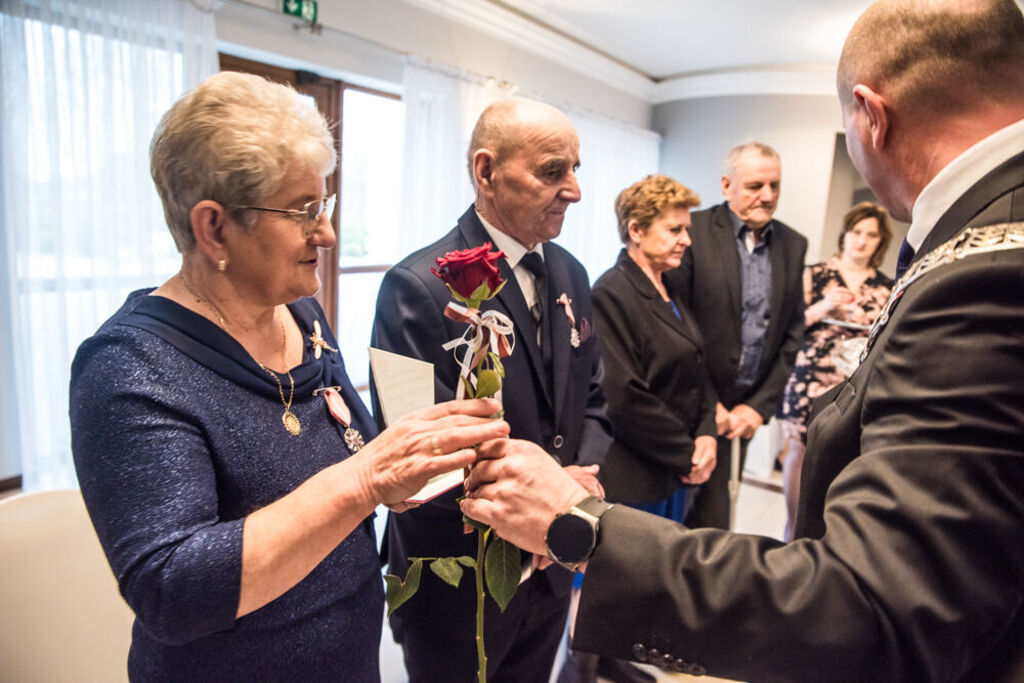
[{"x": 177, "y": 436}]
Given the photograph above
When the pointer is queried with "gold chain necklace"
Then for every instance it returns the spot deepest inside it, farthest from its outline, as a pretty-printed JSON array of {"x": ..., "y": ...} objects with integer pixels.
[{"x": 288, "y": 418}]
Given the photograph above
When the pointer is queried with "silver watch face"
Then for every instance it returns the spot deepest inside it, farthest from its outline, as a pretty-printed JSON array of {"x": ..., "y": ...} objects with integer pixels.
[{"x": 571, "y": 539}]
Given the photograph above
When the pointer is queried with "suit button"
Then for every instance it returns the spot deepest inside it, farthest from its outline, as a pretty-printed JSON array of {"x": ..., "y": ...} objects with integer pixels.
[
  {"x": 679, "y": 665},
  {"x": 696, "y": 670},
  {"x": 666, "y": 661},
  {"x": 654, "y": 656},
  {"x": 557, "y": 441},
  {"x": 640, "y": 652}
]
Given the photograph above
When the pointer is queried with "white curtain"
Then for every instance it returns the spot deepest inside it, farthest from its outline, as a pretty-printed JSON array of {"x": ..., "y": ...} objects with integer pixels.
[
  {"x": 83, "y": 84},
  {"x": 441, "y": 107}
]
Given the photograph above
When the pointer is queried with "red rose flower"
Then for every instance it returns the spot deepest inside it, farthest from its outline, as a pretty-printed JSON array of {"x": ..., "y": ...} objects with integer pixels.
[{"x": 465, "y": 270}]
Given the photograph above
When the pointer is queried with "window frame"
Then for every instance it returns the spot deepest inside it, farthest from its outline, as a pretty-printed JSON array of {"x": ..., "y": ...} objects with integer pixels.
[{"x": 328, "y": 94}]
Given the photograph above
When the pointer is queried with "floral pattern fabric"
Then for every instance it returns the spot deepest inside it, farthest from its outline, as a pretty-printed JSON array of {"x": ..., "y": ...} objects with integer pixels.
[{"x": 816, "y": 371}]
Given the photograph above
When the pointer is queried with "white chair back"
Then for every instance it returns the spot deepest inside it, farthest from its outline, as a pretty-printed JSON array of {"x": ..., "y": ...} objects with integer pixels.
[{"x": 61, "y": 615}]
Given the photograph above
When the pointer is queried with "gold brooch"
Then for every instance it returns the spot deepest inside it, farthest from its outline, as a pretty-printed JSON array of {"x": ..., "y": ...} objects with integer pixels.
[{"x": 317, "y": 340}]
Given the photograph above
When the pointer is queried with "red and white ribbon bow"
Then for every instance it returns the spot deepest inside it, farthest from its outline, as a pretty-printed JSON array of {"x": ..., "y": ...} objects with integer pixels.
[{"x": 486, "y": 331}]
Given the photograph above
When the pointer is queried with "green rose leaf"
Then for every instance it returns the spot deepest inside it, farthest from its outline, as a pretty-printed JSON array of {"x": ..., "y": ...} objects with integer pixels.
[
  {"x": 502, "y": 571},
  {"x": 399, "y": 591},
  {"x": 481, "y": 293},
  {"x": 470, "y": 392},
  {"x": 488, "y": 383},
  {"x": 448, "y": 570},
  {"x": 457, "y": 296},
  {"x": 466, "y": 561},
  {"x": 499, "y": 367},
  {"x": 479, "y": 526}
]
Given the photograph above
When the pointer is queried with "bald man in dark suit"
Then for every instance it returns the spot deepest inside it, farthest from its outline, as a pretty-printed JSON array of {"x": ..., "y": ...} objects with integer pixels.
[{"x": 523, "y": 159}]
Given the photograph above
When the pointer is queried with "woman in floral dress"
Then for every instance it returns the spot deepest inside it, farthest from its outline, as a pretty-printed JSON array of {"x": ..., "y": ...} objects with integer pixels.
[{"x": 844, "y": 295}]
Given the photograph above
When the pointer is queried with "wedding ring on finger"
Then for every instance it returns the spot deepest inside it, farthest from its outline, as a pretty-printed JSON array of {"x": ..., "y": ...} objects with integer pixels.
[{"x": 435, "y": 446}]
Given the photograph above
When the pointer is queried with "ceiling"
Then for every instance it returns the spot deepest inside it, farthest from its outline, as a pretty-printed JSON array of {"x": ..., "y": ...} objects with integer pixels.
[
  {"x": 664, "y": 49},
  {"x": 664, "y": 39}
]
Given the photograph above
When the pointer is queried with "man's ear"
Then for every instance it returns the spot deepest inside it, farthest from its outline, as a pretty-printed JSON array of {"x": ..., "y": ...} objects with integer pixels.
[
  {"x": 726, "y": 184},
  {"x": 208, "y": 218},
  {"x": 876, "y": 112},
  {"x": 484, "y": 166}
]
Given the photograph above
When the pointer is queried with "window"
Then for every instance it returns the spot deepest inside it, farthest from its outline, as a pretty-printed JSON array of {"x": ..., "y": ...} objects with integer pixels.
[
  {"x": 370, "y": 239},
  {"x": 83, "y": 88},
  {"x": 369, "y": 132}
]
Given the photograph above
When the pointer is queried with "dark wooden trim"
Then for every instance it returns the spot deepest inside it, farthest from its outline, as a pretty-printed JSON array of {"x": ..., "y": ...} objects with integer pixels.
[
  {"x": 373, "y": 91},
  {"x": 327, "y": 93},
  {"x": 355, "y": 270},
  {"x": 10, "y": 483}
]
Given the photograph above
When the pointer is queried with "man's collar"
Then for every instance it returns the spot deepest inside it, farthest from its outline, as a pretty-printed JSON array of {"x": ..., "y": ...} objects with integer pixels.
[
  {"x": 960, "y": 175},
  {"x": 738, "y": 225},
  {"x": 513, "y": 249}
]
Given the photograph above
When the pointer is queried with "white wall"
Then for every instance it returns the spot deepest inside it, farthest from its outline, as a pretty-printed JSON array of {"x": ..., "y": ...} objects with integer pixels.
[
  {"x": 363, "y": 41},
  {"x": 698, "y": 133}
]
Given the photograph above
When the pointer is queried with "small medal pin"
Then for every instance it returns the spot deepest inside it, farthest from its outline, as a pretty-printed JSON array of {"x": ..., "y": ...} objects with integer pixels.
[{"x": 339, "y": 409}]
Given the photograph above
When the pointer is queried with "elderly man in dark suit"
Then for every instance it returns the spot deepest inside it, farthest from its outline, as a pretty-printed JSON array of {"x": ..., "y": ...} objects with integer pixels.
[
  {"x": 742, "y": 281},
  {"x": 522, "y": 159},
  {"x": 910, "y": 561}
]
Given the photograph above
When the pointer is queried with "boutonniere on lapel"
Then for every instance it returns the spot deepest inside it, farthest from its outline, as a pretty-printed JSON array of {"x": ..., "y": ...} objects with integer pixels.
[
  {"x": 319, "y": 343},
  {"x": 576, "y": 336}
]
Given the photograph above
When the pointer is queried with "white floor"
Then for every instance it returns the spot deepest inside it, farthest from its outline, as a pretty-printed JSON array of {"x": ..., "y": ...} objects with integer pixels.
[{"x": 759, "y": 511}]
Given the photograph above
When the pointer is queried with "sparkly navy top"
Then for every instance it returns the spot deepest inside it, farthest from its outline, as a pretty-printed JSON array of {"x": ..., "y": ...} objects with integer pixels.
[{"x": 177, "y": 436}]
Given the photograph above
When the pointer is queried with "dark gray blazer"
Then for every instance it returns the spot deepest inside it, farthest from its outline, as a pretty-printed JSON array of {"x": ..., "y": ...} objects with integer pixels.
[
  {"x": 708, "y": 281},
  {"x": 911, "y": 561},
  {"x": 659, "y": 395}
]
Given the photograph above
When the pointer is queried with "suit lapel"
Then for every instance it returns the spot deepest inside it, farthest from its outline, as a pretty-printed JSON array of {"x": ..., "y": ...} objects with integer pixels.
[
  {"x": 512, "y": 300},
  {"x": 642, "y": 284},
  {"x": 559, "y": 282},
  {"x": 777, "y": 256},
  {"x": 729, "y": 259}
]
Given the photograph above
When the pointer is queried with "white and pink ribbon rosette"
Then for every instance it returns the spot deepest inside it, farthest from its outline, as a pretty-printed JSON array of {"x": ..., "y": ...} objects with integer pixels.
[{"x": 486, "y": 331}]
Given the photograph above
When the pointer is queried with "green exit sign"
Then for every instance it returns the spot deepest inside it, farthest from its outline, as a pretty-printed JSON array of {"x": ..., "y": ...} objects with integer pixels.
[{"x": 303, "y": 9}]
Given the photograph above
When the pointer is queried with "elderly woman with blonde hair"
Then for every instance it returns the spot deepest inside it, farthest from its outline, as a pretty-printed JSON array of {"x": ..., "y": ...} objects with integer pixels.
[{"x": 227, "y": 463}]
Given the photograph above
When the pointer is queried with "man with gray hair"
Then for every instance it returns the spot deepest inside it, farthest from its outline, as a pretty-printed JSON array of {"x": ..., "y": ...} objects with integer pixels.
[
  {"x": 741, "y": 279},
  {"x": 909, "y": 562}
]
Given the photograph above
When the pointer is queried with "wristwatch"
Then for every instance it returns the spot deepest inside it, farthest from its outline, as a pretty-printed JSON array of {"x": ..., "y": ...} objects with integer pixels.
[{"x": 572, "y": 535}]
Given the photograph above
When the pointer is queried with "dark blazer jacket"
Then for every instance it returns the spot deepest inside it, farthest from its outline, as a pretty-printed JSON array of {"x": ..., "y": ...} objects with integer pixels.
[
  {"x": 659, "y": 395},
  {"x": 911, "y": 565},
  {"x": 568, "y": 420},
  {"x": 708, "y": 280}
]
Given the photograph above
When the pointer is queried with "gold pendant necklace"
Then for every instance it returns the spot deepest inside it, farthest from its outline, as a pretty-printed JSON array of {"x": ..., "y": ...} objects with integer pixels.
[{"x": 288, "y": 418}]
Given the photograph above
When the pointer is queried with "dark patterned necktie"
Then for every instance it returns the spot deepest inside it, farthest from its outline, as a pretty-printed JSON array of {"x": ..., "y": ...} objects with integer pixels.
[
  {"x": 904, "y": 258},
  {"x": 541, "y": 310}
]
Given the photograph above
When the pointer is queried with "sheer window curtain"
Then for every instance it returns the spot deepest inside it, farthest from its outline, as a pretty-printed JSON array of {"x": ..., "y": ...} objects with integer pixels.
[
  {"x": 442, "y": 105},
  {"x": 83, "y": 83}
]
